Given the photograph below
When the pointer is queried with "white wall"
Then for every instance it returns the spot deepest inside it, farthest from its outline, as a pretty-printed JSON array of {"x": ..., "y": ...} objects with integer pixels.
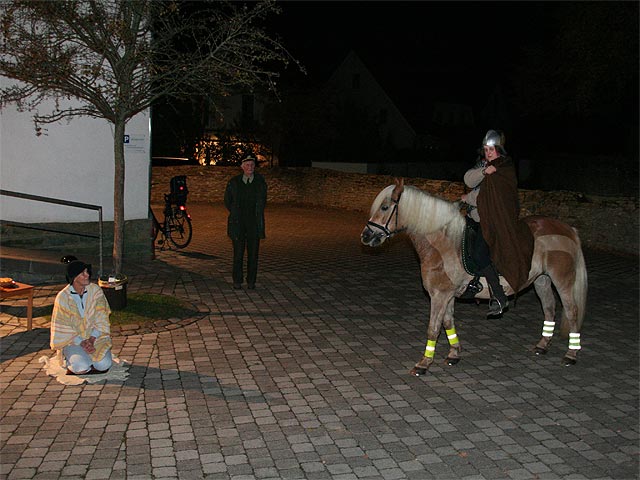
[{"x": 72, "y": 161}]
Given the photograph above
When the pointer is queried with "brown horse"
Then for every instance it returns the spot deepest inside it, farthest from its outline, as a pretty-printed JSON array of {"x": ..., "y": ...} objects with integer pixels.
[{"x": 436, "y": 228}]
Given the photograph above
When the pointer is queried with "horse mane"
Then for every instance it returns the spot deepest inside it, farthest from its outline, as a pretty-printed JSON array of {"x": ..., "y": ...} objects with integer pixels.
[{"x": 423, "y": 214}]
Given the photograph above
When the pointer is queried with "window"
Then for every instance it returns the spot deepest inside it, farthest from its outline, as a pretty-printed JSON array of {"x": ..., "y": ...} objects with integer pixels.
[{"x": 355, "y": 81}]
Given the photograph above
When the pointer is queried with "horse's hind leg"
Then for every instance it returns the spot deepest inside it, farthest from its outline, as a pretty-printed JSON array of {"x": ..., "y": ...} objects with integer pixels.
[
  {"x": 570, "y": 324},
  {"x": 544, "y": 289},
  {"x": 570, "y": 280}
]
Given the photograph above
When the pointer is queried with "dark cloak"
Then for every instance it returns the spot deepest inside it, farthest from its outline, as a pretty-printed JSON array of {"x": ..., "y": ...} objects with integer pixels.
[{"x": 510, "y": 240}]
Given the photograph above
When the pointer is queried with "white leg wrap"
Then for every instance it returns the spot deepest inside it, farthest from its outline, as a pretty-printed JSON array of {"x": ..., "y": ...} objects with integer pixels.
[
  {"x": 574, "y": 341},
  {"x": 547, "y": 329}
]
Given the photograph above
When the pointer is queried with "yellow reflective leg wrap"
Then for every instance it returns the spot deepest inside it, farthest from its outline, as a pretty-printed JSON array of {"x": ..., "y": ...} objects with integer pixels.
[
  {"x": 452, "y": 336},
  {"x": 547, "y": 329},
  {"x": 574, "y": 341},
  {"x": 431, "y": 349}
]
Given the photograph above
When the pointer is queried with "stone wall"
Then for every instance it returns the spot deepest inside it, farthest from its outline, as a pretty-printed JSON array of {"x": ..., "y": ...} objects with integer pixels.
[{"x": 606, "y": 223}]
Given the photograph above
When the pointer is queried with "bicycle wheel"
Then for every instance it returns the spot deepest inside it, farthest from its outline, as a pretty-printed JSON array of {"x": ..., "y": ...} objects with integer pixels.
[
  {"x": 179, "y": 229},
  {"x": 156, "y": 228}
]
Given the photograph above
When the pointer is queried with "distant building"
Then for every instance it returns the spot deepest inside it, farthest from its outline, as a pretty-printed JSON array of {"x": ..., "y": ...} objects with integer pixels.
[
  {"x": 234, "y": 127},
  {"x": 431, "y": 118},
  {"x": 353, "y": 84},
  {"x": 453, "y": 115}
]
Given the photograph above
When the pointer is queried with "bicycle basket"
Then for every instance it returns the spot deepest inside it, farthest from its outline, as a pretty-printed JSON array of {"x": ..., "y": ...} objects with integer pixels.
[{"x": 179, "y": 190}]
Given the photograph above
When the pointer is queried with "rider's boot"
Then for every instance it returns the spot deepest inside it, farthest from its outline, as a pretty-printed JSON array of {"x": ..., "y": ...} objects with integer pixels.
[
  {"x": 474, "y": 288},
  {"x": 499, "y": 301}
]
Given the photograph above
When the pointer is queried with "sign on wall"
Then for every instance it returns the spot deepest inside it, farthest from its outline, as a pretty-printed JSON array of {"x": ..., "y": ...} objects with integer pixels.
[{"x": 135, "y": 143}]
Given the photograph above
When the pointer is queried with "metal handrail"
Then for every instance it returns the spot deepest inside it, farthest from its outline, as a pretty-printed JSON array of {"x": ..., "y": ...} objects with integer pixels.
[{"x": 38, "y": 198}]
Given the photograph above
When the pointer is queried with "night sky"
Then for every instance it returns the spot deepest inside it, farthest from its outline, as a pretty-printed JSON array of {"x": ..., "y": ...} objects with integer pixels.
[
  {"x": 409, "y": 44},
  {"x": 553, "y": 54},
  {"x": 566, "y": 73},
  {"x": 416, "y": 36}
]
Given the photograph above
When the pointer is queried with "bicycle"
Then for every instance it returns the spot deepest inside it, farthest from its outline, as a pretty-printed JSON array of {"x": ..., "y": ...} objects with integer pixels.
[{"x": 176, "y": 226}]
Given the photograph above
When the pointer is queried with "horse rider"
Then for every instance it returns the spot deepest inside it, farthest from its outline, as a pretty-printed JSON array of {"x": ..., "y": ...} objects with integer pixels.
[{"x": 486, "y": 208}]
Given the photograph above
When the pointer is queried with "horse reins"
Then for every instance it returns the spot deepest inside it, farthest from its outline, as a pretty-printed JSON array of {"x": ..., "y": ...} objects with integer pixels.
[{"x": 385, "y": 228}]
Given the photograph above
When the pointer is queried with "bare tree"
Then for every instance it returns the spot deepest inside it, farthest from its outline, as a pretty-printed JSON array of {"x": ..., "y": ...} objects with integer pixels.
[{"x": 118, "y": 57}]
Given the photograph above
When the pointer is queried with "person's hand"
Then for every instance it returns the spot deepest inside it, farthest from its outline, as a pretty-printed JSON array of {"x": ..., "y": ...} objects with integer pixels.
[
  {"x": 87, "y": 345},
  {"x": 489, "y": 170},
  {"x": 464, "y": 198}
]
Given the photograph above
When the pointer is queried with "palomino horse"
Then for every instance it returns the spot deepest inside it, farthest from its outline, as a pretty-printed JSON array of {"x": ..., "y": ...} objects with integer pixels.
[{"x": 436, "y": 228}]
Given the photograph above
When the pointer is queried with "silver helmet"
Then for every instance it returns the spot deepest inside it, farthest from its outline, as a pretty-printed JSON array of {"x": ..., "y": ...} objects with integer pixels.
[{"x": 493, "y": 138}]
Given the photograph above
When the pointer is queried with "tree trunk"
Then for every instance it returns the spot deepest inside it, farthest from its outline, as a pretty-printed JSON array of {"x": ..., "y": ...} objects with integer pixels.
[{"x": 118, "y": 195}]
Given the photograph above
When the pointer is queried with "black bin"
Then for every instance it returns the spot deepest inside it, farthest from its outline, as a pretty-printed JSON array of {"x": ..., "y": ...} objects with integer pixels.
[{"x": 115, "y": 289}]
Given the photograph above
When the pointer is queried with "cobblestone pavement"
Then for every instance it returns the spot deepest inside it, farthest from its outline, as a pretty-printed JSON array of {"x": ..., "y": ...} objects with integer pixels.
[{"x": 307, "y": 376}]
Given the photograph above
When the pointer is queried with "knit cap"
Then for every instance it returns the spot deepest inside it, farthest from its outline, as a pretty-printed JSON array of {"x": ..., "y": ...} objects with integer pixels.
[{"x": 75, "y": 268}]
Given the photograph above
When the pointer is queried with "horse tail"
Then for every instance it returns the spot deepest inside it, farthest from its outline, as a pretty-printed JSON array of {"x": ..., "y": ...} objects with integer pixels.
[{"x": 579, "y": 291}]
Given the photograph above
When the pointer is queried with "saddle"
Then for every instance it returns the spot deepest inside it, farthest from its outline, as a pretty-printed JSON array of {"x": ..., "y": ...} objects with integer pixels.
[
  {"x": 470, "y": 265},
  {"x": 468, "y": 240}
]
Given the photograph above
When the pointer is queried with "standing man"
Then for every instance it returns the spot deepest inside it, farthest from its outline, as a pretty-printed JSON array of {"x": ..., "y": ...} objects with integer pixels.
[
  {"x": 80, "y": 329},
  {"x": 245, "y": 197}
]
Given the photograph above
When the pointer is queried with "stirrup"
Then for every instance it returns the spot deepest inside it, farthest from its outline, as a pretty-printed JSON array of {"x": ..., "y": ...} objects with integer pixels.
[
  {"x": 474, "y": 288},
  {"x": 496, "y": 307}
]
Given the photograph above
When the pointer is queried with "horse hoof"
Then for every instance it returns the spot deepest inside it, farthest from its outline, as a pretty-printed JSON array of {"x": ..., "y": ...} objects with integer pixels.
[
  {"x": 452, "y": 361},
  {"x": 540, "y": 351},
  {"x": 568, "y": 361},
  {"x": 417, "y": 372}
]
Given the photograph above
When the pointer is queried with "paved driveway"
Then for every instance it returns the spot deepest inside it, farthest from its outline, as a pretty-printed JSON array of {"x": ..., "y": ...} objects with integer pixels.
[{"x": 307, "y": 376}]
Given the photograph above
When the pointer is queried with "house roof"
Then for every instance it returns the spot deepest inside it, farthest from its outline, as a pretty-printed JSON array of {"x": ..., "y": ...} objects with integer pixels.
[
  {"x": 416, "y": 89},
  {"x": 419, "y": 52}
]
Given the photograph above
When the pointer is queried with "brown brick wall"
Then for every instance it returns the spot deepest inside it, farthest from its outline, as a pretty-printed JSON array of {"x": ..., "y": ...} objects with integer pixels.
[{"x": 608, "y": 223}]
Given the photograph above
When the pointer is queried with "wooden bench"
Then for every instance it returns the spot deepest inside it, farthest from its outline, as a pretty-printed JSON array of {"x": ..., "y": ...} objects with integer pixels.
[{"x": 18, "y": 290}]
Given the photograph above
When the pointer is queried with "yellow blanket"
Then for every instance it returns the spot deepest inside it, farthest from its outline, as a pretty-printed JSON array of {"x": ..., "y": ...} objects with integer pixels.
[{"x": 67, "y": 324}]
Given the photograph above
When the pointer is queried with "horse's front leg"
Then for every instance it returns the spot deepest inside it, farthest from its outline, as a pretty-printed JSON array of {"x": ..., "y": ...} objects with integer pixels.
[
  {"x": 441, "y": 310},
  {"x": 450, "y": 329}
]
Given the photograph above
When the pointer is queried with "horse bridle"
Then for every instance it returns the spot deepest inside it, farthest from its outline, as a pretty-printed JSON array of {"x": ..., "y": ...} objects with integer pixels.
[{"x": 385, "y": 228}]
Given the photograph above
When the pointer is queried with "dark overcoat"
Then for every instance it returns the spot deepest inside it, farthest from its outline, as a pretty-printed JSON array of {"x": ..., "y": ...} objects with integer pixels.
[
  {"x": 231, "y": 202},
  {"x": 509, "y": 238}
]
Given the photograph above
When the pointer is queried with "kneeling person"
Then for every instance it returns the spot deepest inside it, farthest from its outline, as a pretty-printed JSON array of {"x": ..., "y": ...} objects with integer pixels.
[{"x": 80, "y": 330}]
